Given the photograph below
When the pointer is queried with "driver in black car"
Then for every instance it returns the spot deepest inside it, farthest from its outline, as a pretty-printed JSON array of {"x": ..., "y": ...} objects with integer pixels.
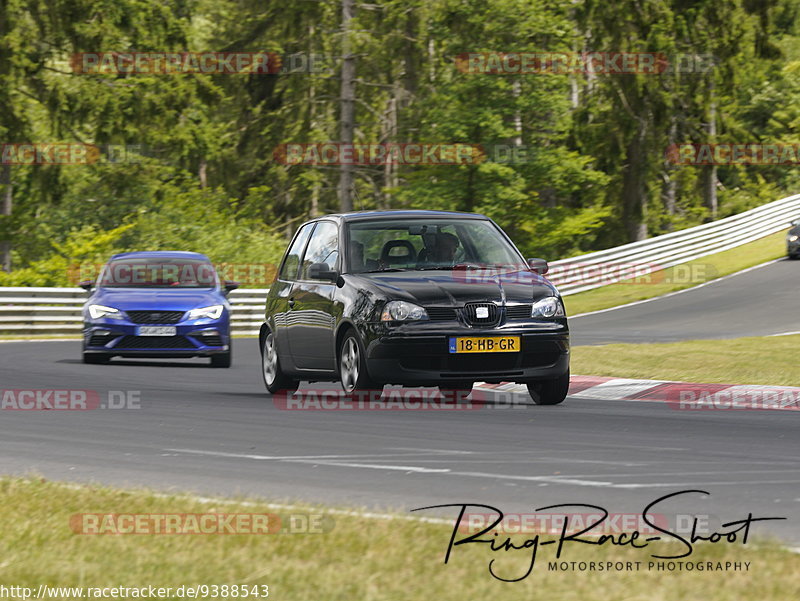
[{"x": 440, "y": 249}]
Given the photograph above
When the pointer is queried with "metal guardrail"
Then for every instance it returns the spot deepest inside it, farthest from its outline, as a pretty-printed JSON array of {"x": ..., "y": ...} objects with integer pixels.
[
  {"x": 600, "y": 268},
  {"x": 57, "y": 311}
]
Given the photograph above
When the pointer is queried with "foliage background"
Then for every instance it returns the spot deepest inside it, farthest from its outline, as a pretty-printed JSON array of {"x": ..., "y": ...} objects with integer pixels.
[{"x": 204, "y": 177}]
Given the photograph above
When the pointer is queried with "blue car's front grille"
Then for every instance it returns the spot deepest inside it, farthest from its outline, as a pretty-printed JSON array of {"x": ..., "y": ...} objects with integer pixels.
[
  {"x": 157, "y": 317},
  {"x": 101, "y": 339},
  {"x": 154, "y": 342}
]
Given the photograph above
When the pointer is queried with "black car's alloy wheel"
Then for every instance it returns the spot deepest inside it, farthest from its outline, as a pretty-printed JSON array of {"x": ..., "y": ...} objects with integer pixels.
[
  {"x": 274, "y": 379},
  {"x": 352, "y": 365},
  {"x": 549, "y": 392}
]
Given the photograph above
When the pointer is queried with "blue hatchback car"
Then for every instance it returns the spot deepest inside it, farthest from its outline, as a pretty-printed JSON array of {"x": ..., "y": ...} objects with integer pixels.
[{"x": 158, "y": 304}]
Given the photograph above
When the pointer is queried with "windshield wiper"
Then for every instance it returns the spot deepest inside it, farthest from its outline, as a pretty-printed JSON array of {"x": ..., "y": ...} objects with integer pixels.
[{"x": 385, "y": 269}]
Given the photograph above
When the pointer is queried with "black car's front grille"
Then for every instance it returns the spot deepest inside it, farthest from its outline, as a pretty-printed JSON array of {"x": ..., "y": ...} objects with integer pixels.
[
  {"x": 154, "y": 342},
  {"x": 159, "y": 317},
  {"x": 441, "y": 313},
  {"x": 481, "y": 314},
  {"x": 518, "y": 311}
]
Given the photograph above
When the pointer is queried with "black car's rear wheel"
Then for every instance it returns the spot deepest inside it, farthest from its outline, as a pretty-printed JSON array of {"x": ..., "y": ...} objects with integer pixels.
[
  {"x": 352, "y": 365},
  {"x": 274, "y": 378},
  {"x": 549, "y": 392}
]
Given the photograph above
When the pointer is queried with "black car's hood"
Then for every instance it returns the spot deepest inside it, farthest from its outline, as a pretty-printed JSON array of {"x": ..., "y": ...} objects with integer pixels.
[{"x": 454, "y": 288}]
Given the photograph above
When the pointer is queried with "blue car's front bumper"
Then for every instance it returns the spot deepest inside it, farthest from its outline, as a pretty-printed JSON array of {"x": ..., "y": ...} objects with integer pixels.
[{"x": 119, "y": 337}]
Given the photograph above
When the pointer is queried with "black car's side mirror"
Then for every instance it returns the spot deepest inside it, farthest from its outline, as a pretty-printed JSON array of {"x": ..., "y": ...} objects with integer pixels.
[
  {"x": 230, "y": 286},
  {"x": 86, "y": 285},
  {"x": 538, "y": 265},
  {"x": 321, "y": 271}
]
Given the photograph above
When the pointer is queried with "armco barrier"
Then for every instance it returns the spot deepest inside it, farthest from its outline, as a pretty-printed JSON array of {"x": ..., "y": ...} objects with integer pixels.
[
  {"x": 678, "y": 247},
  {"x": 57, "y": 311}
]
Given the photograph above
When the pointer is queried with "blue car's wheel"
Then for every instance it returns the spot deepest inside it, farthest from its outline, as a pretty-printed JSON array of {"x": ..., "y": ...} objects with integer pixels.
[
  {"x": 223, "y": 359},
  {"x": 95, "y": 358}
]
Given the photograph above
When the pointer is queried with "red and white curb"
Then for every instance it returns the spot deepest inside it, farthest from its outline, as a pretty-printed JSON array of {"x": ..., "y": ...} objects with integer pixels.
[{"x": 679, "y": 395}]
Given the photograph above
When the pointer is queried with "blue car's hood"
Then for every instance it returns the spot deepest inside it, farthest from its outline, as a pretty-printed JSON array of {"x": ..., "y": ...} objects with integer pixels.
[{"x": 174, "y": 299}]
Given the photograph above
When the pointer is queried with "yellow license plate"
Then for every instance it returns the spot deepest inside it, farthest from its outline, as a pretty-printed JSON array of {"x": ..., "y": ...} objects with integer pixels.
[{"x": 485, "y": 344}]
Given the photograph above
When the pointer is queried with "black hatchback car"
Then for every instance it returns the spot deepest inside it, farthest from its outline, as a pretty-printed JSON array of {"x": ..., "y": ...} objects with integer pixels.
[{"x": 415, "y": 298}]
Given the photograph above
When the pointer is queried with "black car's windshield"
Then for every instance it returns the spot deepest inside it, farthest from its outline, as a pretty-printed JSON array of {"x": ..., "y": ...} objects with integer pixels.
[
  {"x": 158, "y": 272},
  {"x": 428, "y": 244}
]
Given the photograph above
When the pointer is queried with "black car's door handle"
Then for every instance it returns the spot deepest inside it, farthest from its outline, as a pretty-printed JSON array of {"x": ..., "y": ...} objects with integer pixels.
[{"x": 291, "y": 303}]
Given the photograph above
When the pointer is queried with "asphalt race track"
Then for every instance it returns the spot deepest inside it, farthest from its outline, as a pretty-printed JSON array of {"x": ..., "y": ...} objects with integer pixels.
[
  {"x": 216, "y": 431},
  {"x": 759, "y": 302}
]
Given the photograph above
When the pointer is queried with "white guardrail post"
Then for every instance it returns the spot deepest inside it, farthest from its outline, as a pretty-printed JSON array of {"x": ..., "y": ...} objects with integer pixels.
[{"x": 57, "y": 311}]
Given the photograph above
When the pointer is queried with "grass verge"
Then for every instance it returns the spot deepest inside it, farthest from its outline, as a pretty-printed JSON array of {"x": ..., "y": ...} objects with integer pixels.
[
  {"x": 759, "y": 360},
  {"x": 679, "y": 277},
  {"x": 359, "y": 558}
]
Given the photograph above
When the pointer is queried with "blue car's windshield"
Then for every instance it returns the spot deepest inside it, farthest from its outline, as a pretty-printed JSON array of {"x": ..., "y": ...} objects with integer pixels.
[
  {"x": 158, "y": 272},
  {"x": 428, "y": 244}
]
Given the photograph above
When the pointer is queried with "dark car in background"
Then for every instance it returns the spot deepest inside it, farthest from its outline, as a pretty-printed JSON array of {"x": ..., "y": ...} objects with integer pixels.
[
  {"x": 793, "y": 240},
  {"x": 414, "y": 298},
  {"x": 158, "y": 304}
]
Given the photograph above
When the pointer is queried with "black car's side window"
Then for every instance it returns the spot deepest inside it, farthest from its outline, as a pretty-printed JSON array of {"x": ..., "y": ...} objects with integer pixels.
[
  {"x": 323, "y": 247},
  {"x": 292, "y": 260}
]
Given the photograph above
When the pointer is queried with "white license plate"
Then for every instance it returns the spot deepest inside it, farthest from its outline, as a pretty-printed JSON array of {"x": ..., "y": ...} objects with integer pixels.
[{"x": 156, "y": 331}]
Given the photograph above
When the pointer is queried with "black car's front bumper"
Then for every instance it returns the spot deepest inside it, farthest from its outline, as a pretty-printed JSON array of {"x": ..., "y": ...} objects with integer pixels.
[{"x": 422, "y": 358}]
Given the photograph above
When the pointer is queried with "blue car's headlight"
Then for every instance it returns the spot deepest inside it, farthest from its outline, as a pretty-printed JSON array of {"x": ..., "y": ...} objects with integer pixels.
[
  {"x": 98, "y": 311},
  {"x": 212, "y": 312},
  {"x": 548, "y": 307}
]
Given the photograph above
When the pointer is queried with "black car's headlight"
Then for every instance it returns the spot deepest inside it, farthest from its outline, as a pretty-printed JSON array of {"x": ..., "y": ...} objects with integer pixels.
[
  {"x": 548, "y": 307},
  {"x": 794, "y": 238},
  {"x": 403, "y": 311},
  {"x": 98, "y": 311}
]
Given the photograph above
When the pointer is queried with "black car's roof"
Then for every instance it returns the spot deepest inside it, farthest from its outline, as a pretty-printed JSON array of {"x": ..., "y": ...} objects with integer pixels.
[{"x": 375, "y": 215}]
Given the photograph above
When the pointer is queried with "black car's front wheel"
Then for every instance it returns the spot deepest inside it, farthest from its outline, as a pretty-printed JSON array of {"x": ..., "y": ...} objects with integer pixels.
[
  {"x": 352, "y": 365},
  {"x": 549, "y": 392},
  {"x": 274, "y": 378}
]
